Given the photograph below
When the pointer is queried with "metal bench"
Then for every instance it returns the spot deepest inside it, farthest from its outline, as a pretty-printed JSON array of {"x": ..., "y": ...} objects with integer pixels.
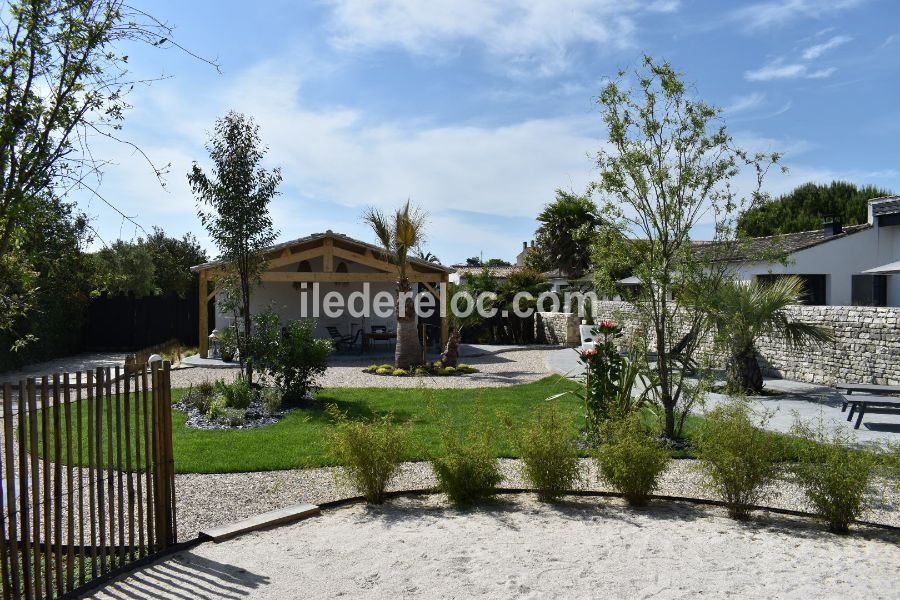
[
  {"x": 870, "y": 403},
  {"x": 866, "y": 388}
]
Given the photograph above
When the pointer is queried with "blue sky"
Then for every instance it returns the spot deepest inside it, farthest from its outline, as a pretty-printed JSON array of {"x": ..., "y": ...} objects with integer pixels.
[{"x": 478, "y": 110}]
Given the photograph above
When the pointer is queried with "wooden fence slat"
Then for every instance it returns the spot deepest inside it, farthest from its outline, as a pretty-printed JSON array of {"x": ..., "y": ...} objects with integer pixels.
[
  {"x": 148, "y": 454},
  {"x": 79, "y": 431},
  {"x": 57, "y": 486},
  {"x": 92, "y": 503},
  {"x": 24, "y": 504},
  {"x": 48, "y": 516},
  {"x": 70, "y": 489},
  {"x": 10, "y": 489},
  {"x": 110, "y": 474},
  {"x": 119, "y": 480},
  {"x": 5, "y": 570},
  {"x": 35, "y": 486},
  {"x": 128, "y": 473},
  {"x": 139, "y": 463},
  {"x": 101, "y": 492},
  {"x": 157, "y": 479},
  {"x": 170, "y": 452}
]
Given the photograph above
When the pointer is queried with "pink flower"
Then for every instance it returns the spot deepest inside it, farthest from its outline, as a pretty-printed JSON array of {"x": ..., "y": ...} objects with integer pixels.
[{"x": 607, "y": 323}]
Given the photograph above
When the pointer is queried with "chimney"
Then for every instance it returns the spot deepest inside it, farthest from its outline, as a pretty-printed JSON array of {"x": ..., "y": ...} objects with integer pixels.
[
  {"x": 532, "y": 243},
  {"x": 524, "y": 245},
  {"x": 832, "y": 227}
]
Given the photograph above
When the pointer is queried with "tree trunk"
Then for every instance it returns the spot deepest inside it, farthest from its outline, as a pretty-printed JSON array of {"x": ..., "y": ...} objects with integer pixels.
[
  {"x": 743, "y": 372},
  {"x": 408, "y": 350},
  {"x": 450, "y": 356}
]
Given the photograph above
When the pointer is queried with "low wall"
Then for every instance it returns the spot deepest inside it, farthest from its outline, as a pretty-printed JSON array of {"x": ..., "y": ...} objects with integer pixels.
[
  {"x": 557, "y": 328},
  {"x": 866, "y": 348}
]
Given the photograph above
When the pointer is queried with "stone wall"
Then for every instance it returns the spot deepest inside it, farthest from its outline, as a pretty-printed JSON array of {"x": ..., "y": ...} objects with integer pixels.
[
  {"x": 866, "y": 347},
  {"x": 557, "y": 328}
]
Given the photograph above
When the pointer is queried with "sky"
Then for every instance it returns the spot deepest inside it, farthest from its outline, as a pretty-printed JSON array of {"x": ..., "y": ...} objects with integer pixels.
[{"x": 478, "y": 110}]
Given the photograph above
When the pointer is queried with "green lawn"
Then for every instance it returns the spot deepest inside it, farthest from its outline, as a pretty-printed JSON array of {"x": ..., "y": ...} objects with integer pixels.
[{"x": 300, "y": 439}]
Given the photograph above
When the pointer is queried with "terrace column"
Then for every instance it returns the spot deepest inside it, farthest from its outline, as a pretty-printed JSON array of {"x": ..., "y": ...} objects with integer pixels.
[{"x": 203, "y": 292}]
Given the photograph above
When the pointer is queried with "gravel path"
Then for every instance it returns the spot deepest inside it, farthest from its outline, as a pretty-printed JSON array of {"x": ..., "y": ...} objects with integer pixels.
[
  {"x": 208, "y": 500},
  {"x": 496, "y": 370}
]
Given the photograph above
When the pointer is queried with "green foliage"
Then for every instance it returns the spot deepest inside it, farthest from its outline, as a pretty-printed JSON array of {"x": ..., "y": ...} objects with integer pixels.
[
  {"x": 172, "y": 259},
  {"x": 369, "y": 452},
  {"x": 292, "y": 355},
  {"x": 217, "y": 408},
  {"x": 399, "y": 372},
  {"x": 202, "y": 396},
  {"x": 807, "y": 206},
  {"x": 448, "y": 370},
  {"x": 743, "y": 312},
  {"x": 467, "y": 469},
  {"x": 371, "y": 368},
  {"x": 631, "y": 460},
  {"x": 421, "y": 371},
  {"x": 384, "y": 370},
  {"x": 667, "y": 163},
  {"x": 834, "y": 475},
  {"x": 497, "y": 262},
  {"x": 234, "y": 417},
  {"x": 238, "y": 394},
  {"x": 125, "y": 268},
  {"x": 737, "y": 458},
  {"x": 563, "y": 238},
  {"x": 271, "y": 399},
  {"x": 550, "y": 458}
]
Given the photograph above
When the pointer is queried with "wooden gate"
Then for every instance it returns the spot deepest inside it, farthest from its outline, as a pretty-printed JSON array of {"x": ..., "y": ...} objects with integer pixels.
[{"x": 88, "y": 477}]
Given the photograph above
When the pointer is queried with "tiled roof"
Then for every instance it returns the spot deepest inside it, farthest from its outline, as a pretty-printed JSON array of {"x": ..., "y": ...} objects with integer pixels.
[
  {"x": 501, "y": 272},
  {"x": 787, "y": 243}
]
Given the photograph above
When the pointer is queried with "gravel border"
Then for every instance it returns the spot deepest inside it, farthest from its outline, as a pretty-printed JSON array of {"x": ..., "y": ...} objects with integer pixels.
[{"x": 210, "y": 500}]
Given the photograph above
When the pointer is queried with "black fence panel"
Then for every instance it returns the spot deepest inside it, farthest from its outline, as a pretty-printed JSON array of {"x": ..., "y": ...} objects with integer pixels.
[{"x": 126, "y": 322}]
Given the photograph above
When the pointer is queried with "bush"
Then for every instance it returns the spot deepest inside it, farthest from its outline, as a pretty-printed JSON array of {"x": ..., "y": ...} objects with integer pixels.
[
  {"x": 291, "y": 355},
  {"x": 384, "y": 370},
  {"x": 370, "y": 452},
  {"x": 206, "y": 388},
  {"x": 400, "y": 372},
  {"x": 371, "y": 368},
  {"x": 386, "y": 366},
  {"x": 421, "y": 371},
  {"x": 463, "y": 366},
  {"x": 834, "y": 475},
  {"x": 271, "y": 399},
  {"x": 737, "y": 459},
  {"x": 217, "y": 409},
  {"x": 468, "y": 470},
  {"x": 237, "y": 395},
  {"x": 550, "y": 460},
  {"x": 447, "y": 371},
  {"x": 234, "y": 416},
  {"x": 631, "y": 460},
  {"x": 202, "y": 396}
]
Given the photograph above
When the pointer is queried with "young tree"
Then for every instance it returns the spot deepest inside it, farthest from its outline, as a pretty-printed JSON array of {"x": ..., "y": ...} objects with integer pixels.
[
  {"x": 563, "y": 240},
  {"x": 669, "y": 164},
  {"x": 237, "y": 194},
  {"x": 63, "y": 82},
  {"x": 399, "y": 234}
]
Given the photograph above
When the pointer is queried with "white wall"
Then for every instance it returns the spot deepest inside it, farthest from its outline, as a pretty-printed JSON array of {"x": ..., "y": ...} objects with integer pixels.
[{"x": 840, "y": 259}]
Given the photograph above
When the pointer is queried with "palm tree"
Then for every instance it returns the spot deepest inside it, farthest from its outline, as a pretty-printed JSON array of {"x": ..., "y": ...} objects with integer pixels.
[
  {"x": 400, "y": 233},
  {"x": 568, "y": 226},
  {"x": 743, "y": 312}
]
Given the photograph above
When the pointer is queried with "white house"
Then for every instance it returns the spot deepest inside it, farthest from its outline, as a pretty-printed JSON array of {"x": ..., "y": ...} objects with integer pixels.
[{"x": 840, "y": 265}]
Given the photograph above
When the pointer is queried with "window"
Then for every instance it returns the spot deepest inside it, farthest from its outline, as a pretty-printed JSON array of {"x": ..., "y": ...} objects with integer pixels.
[
  {"x": 869, "y": 290},
  {"x": 814, "y": 286}
]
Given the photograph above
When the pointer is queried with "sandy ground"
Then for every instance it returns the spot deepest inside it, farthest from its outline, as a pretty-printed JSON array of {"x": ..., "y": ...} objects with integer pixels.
[{"x": 518, "y": 548}]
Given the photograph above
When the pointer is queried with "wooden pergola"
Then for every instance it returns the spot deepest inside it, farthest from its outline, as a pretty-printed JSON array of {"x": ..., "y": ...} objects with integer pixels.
[{"x": 328, "y": 246}]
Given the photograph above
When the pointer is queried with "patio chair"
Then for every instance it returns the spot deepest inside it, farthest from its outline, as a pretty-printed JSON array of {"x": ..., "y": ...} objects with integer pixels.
[
  {"x": 381, "y": 330},
  {"x": 343, "y": 341}
]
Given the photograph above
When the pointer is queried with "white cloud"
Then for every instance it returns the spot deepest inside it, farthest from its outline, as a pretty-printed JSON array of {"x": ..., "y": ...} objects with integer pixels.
[
  {"x": 821, "y": 73},
  {"x": 780, "y": 12},
  {"x": 531, "y": 37},
  {"x": 744, "y": 103},
  {"x": 780, "y": 70},
  {"x": 814, "y": 52}
]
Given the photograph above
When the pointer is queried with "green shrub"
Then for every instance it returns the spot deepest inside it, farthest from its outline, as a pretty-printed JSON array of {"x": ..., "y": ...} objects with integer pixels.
[
  {"x": 384, "y": 370},
  {"x": 550, "y": 460},
  {"x": 206, "y": 388},
  {"x": 400, "y": 372},
  {"x": 448, "y": 371},
  {"x": 834, "y": 475},
  {"x": 234, "y": 416},
  {"x": 387, "y": 366},
  {"x": 292, "y": 355},
  {"x": 631, "y": 460},
  {"x": 371, "y": 368},
  {"x": 370, "y": 452},
  {"x": 437, "y": 364},
  {"x": 237, "y": 395},
  {"x": 468, "y": 470},
  {"x": 737, "y": 459},
  {"x": 421, "y": 371},
  {"x": 463, "y": 366},
  {"x": 217, "y": 409},
  {"x": 271, "y": 399}
]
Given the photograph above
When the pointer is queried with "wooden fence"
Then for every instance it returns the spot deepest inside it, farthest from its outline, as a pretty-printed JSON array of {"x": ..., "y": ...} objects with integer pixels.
[{"x": 89, "y": 478}]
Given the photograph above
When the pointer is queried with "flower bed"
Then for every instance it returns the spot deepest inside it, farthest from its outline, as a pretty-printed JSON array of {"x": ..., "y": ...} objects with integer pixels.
[{"x": 435, "y": 369}]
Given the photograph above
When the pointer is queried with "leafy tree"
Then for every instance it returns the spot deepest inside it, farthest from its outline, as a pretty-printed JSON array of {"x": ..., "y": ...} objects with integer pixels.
[
  {"x": 237, "y": 193},
  {"x": 172, "y": 261},
  {"x": 743, "y": 312},
  {"x": 64, "y": 84},
  {"x": 473, "y": 261},
  {"x": 805, "y": 207},
  {"x": 497, "y": 262},
  {"x": 125, "y": 268},
  {"x": 399, "y": 233},
  {"x": 429, "y": 257},
  {"x": 563, "y": 240},
  {"x": 670, "y": 163}
]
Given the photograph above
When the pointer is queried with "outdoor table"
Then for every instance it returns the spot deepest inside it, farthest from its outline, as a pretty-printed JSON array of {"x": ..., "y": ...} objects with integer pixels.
[{"x": 377, "y": 336}]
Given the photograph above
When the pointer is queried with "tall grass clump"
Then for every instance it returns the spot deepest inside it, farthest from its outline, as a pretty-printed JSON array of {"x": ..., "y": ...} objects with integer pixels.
[
  {"x": 737, "y": 458},
  {"x": 834, "y": 475},
  {"x": 467, "y": 469},
  {"x": 630, "y": 459},
  {"x": 369, "y": 452},
  {"x": 550, "y": 457}
]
